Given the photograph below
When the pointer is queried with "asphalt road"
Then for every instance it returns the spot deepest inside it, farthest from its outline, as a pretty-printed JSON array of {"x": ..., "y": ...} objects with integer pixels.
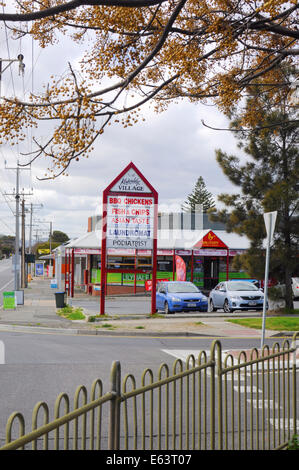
[{"x": 38, "y": 367}]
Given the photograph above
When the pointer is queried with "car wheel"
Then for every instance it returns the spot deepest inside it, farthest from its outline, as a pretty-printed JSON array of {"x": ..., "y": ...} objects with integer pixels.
[
  {"x": 166, "y": 308},
  {"x": 226, "y": 307},
  {"x": 212, "y": 308}
]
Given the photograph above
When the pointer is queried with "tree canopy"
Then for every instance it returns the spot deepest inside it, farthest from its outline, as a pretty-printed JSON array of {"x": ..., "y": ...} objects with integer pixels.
[
  {"x": 59, "y": 237},
  {"x": 139, "y": 51},
  {"x": 267, "y": 181},
  {"x": 200, "y": 196}
]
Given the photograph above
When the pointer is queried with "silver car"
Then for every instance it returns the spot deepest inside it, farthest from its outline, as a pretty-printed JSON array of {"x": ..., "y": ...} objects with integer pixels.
[{"x": 236, "y": 295}]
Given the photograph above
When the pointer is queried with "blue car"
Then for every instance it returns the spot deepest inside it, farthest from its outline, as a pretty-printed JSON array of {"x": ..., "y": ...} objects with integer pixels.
[{"x": 180, "y": 296}]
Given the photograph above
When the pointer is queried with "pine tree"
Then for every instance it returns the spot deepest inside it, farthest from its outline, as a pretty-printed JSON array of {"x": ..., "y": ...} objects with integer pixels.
[
  {"x": 199, "y": 196},
  {"x": 267, "y": 182}
]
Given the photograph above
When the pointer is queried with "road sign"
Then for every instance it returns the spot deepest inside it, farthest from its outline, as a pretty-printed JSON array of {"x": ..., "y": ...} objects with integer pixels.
[{"x": 270, "y": 219}]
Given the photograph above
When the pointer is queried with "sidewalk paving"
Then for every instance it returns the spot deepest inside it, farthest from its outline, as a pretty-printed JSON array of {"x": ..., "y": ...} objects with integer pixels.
[{"x": 39, "y": 314}]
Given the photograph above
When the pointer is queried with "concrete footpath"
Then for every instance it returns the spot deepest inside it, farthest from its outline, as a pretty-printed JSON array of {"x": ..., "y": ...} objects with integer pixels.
[{"x": 128, "y": 317}]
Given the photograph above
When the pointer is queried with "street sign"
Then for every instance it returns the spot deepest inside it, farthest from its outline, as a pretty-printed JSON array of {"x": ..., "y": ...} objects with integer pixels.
[
  {"x": 270, "y": 219},
  {"x": 9, "y": 300}
]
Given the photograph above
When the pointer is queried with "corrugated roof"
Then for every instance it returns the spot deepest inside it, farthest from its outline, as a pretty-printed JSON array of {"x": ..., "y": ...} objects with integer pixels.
[{"x": 169, "y": 239}]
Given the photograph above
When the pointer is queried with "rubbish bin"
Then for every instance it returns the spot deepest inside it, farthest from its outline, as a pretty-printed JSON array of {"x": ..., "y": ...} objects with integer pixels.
[{"x": 60, "y": 299}]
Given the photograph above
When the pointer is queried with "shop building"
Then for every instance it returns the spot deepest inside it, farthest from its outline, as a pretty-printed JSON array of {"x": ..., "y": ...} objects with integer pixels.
[{"x": 194, "y": 249}]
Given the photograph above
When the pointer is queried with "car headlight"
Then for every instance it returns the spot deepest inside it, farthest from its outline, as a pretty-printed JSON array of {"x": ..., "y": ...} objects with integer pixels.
[
  {"x": 236, "y": 297},
  {"x": 204, "y": 298},
  {"x": 175, "y": 299}
]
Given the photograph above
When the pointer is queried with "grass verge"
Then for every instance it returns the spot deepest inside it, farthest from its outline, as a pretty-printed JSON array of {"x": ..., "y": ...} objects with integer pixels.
[
  {"x": 275, "y": 323},
  {"x": 71, "y": 313}
]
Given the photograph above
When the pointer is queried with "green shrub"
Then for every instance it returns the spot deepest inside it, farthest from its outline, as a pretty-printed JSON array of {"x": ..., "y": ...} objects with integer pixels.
[
  {"x": 276, "y": 293},
  {"x": 294, "y": 443}
]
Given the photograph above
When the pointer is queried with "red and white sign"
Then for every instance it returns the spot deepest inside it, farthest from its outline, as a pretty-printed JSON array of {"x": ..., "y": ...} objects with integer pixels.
[
  {"x": 130, "y": 222},
  {"x": 87, "y": 251},
  {"x": 210, "y": 240}
]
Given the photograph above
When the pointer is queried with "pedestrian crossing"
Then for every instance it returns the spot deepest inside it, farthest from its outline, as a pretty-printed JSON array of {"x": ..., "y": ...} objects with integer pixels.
[{"x": 183, "y": 354}]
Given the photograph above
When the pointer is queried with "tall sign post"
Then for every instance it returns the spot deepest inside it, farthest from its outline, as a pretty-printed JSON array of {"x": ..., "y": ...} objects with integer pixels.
[
  {"x": 130, "y": 218},
  {"x": 270, "y": 219}
]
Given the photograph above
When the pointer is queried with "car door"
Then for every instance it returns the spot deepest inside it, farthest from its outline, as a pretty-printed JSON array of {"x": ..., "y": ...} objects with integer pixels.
[
  {"x": 215, "y": 295},
  {"x": 221, "y": 293},
  {"x": 160, "y": 296}
]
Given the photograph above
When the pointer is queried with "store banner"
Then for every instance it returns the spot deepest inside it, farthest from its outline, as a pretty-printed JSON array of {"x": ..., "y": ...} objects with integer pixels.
[{"x": 180, "y": 268}]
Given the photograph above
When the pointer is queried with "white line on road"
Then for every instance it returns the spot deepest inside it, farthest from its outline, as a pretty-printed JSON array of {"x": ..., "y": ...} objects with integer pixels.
[{"x": 9, "y": 282}]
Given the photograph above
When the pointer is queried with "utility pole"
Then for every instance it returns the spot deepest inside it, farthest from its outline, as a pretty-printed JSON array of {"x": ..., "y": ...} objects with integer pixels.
[
  {"x": 10, "y": 62},
  {"x": 23, "y": 271},
  {"x": 16, "y": 262},
  {"x": 30, "y": 227},
  {"x": 17, "y": 196},
  {"x": 50, "y": 238}
]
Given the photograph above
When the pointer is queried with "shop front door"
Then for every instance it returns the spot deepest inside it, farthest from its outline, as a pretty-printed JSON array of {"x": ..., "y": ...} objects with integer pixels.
[{"x": 211, "y": 273}]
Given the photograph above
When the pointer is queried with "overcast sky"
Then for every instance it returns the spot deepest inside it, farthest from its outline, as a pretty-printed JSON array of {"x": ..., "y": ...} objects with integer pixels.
[{"x": 171, "y": 149}]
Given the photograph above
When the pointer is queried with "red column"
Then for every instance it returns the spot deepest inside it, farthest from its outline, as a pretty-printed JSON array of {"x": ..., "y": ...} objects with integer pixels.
[
  {"x": 192, "y": 260},
  {"x": 135, "y": 265},
  {"x": 227, "y": 264},
  {"x": 73, "y": 274},
  {"x": 155, "y": 243},
  {"x": 65, "y": 269},
  {"x": 103, "y": 256},
  {"x": 173, "y": 265}
]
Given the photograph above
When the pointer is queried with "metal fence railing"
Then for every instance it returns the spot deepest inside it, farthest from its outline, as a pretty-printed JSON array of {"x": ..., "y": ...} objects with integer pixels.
[{"x": 215, "y": 401}]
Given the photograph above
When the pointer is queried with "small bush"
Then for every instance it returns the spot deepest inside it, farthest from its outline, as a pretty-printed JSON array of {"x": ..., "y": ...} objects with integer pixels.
[
  {"x": 294, "y": 443},
  {"x": 276, "y": 293},
  {"x": 71, "y": 313}
]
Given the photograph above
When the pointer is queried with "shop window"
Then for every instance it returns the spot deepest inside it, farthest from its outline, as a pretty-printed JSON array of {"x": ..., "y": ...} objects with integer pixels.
[
  {"x": 121, "y": 262},
  {"x": 144, "y": 263},
  {"x": 165, "y": 264}
]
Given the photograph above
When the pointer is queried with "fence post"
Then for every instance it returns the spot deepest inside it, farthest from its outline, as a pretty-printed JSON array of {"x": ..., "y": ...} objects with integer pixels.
[
  {"x": 294, "y": 345},
  {"x": 215, "y": 357},
  {"x": 114, "y": 424}
]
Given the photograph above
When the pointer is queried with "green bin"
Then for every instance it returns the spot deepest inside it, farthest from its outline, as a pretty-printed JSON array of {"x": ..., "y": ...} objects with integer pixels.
[{"x": 60, "y": 299}]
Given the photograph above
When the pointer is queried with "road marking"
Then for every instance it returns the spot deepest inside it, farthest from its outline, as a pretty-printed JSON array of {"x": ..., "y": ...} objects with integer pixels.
[
  {"x": 2, "y": 353},
  {"x": 9, "y": 282},
  {"x": 184, "y": 353},
  {"x": 277, "y": 424}
]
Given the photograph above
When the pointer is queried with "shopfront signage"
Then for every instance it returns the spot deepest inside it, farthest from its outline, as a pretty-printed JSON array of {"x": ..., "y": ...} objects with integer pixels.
[
  {"x": 130, "y": 222},
  {"x": 210, "y": 252},
  {"x": 210, "y": 240},
  {"x": 9, "y": 300},
  {"x": 39, "y": 269},
  {"x": 130, "y": 182},
  {"x": 87, "y": 251}
]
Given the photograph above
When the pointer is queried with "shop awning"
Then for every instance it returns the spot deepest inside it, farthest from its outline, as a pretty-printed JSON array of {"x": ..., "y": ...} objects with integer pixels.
[{"x": 175, "y": 240}]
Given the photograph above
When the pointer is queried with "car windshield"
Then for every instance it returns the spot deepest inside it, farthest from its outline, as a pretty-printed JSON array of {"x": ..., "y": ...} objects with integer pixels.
[
  {"x": 181, "y": 287},
  {"x": 237, "y": 285}
]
